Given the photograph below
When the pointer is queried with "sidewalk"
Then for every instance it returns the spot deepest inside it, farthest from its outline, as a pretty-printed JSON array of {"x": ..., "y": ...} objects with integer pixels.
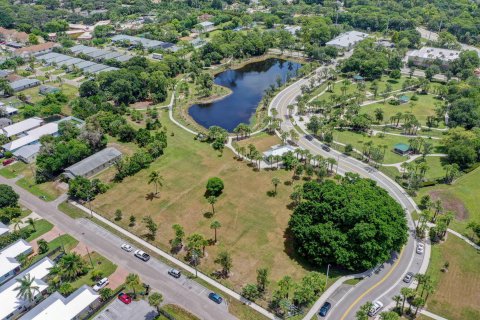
[{"x": 181, "y": 264}]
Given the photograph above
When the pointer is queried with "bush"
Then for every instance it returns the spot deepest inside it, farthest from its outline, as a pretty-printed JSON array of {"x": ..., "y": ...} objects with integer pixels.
[
  {"x": 414, "y": 97},
  {"x": 42, "y": 246},
  {"x": 214, "y": 187},
  {"x": 8, "y": 197}
]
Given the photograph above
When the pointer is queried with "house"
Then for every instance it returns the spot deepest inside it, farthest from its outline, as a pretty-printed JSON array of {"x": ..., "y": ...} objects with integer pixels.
[
  {"x": 22, "y": 127},
  {"x": 426, "y": 56},
  {"x": 402, "y": 148},
  {"x": 5, "y": 73},
  {"x": 56, "y": 306},
  {"x": 293, "y": 29},
  {"x": 8, "y": 110},
  {"x": 36, "y": 50},
  {"x": 27, "y": 153},
  {"x": 11, "y": 304},
  {"x": 23, "y": 84},
  {"x": 48, "y": 90},
  {"x": 93, "y": 164},
  {"x": 13, "y": 35},
  {"x": 146, "y": 43},
  {"x": 346, "y": 41},
  {"x": 3, "y": 229},
  {"x": 9, "y": 266},
  {"x": 5, "y": 122},
  {"x": 277, "y": 150},
  {"x": 32, "y": 137},
  {"x": 205, "y": 26},
  {"x": 157, "y": 56}
]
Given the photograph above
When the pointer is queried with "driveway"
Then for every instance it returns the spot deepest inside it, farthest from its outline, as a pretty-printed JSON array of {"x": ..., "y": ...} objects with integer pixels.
[{"x": 135, "y": 310}]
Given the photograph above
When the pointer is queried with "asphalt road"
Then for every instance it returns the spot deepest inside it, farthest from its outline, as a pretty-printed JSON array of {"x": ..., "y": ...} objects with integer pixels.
[
  {"x": 387, "y": 280},
  {"x": 184, "y": 292}
]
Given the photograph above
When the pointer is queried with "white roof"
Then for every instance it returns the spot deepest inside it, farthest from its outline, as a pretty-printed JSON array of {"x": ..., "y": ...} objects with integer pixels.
[
  {"x": 58, "y": 307},
  {"x": 430, "y": 53},
  {"x": 8, "y": 294},
  {"x": 22, "y": 126},
  {"x": 9, "y": 109},
  {"x": 347, "y": 39},
  {"x": 32, "y": 136},
  {"x": 8, "y": 255},
  {"x": 3, "y": 229},
  {"x": 278, "y": 150},
  {"x": 206, "y": 24}
]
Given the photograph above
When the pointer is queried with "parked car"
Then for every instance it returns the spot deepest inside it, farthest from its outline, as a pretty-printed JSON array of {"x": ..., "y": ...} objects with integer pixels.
[
  {"x": 408, "y": 277},
  {"x": 215, "y": 297},
  {"x": 377, "y": 306},
  {"x": 174, "y": 273},
  {"x": 126, "y": 247},
  {"x": 125, "y": 298},
  {"x": 8, "y": 161},
  {"x": 324, "y": 309},
  {"x": 100, "y": 284},
  {"x": 142, "y": 255},
  {"x": 309, "y": 137},
  {"x": 420, "y": 248},
  {"x": 326, "y": 148}
]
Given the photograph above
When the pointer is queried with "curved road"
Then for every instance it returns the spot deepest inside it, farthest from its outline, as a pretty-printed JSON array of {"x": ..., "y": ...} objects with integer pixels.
[{"x": 386, "y": 281}]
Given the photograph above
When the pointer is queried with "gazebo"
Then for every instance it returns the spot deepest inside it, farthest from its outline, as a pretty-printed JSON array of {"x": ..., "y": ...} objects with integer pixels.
[
  {"x": 402, "y": 148},
  {"x": 403, "y": 99}
]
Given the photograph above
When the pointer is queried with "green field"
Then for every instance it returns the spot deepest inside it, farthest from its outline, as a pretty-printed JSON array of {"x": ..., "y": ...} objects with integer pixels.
[
  {"x": 460, "y": 197},
  {"x": 42, "y": 226},
  {"x": 436, "y": 169},
  {"x": 12, "y": 170},
  {"x": 457, "y": 292}
]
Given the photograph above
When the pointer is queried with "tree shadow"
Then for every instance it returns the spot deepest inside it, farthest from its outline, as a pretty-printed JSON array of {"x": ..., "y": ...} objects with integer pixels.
[
  {"x": 150, "y": 196},
  {"x": 291, "y": 206},
  {"x": 208, "y": 214},
  {"x": 288, "y": 183},
  {"x": 271, "y": 193}
]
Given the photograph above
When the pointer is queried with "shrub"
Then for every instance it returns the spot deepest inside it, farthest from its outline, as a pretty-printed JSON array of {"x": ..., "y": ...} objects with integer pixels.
[
  {"x": 214, "y": 186},
  {"x": 42, "y": 246}
]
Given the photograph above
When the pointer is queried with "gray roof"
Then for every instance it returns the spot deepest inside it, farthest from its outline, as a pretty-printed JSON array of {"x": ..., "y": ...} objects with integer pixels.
[
  {"x": 27, "y": 151},
  {"x": 111, "y": 55},
  {"x": 347, "y": 39},
  {"x": 97, "y": 53},
  {"x": 19, "y": 84},
  {"x": 71, "y": 61},
  {"x": 107, "y": 69},
  {"x": 123, "y": 58},
  {"x": 85, "y": 64},
  {"x": 95, "y": 68},
  {"x": 94, "y": 161},
  {"x": 147, "y": 43},
  {"x": 47, "y": 56},
  {"x": 4, "y": 73},
  {"x": 5, "y": 122}
]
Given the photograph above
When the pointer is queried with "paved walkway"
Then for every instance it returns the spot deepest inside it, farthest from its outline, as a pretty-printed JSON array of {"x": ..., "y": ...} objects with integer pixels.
[
  {"x": 24, "y": 221},
  {"x": 432, "y": 315},
  {"x": 49, "y": 236}
]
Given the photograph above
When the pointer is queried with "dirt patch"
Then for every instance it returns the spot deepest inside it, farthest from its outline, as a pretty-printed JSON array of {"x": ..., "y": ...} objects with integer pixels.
[
  {"x": 450, "y": 203},
  {"x": 141, "y": 104}
]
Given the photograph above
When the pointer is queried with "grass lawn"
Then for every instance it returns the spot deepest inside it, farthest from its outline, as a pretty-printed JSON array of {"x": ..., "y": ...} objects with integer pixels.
[
  {"x": 47, "y": 190},
  {"x": 100, "y": 263},
  {"x": 45, "y": 69},
  {"x": 357, "y": 140},
  {"x": 436, "y": 169},
  {"x": 457, "y": 292},
  {"x": 262, "y": 141},
  {"x": 71, "y": 210},
  {"x": 42, "y": 226},
  {"x": 178, "y": 313},
  {"x": 11, "y": 171},
  {"x": 422, "y": 108},
  {"x": 460, "y": 197},
  {"x": 253, "y": 224},
  {"x": 65, "y": 240}
]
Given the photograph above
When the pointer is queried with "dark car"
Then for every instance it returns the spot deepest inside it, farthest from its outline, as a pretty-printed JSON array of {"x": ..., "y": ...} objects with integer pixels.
[
  {"x": 324, "y": 309},
  {"x": 309, "y": 137},
  {"x": 215, "y": 297},
  {"x": 326, "y": 148},
  {"x": 408, "y": 277}
]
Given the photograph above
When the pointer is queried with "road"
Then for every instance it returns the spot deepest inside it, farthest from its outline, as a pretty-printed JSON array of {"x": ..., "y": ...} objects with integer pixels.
[
  {"x": 184, "y": 292},
  {"x": 387, "y": 281}
]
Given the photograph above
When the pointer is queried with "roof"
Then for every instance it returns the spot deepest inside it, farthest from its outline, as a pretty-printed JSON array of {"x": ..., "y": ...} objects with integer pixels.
[
  {"x": 8, "y": 294},
  {"x": 85, "y": 166},
  {"x": 402, "y": 147},
  {"x": 8, "y": 255},
  {"x": 4, "y": 73},
  {"x": 404, "y": 98},
  {"x": 27, "y": 151},
  {"x": 206, "y": 24},
  {"x": 10, "y": 110},
  {"x": 3, "y": 229},
  {"x": 5, "y": 122},
  {"x": 22, "y": 126},
  {"x": 95, "y": 68},
  {"x": 278, "y": 150},
  {"x": 14, "y": 34},
  {"x": 430, "y": 53},
  {"x": 32, "y": 136},
  {"x": 36, "y": 48},
  {"x": 347, "y": 39},
  {"x": 147, "y": 43},
  {"x": 19, "y": 84},
  {"x": 58, "y": 307}
]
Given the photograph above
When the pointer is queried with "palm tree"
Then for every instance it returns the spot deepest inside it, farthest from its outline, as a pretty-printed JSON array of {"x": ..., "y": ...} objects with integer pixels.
[
  {"x": 275, "y": 182},
  {"x": 155, "y": 299},
  {"x": 215, "y": 225},
  {"x": 26, "y": 288},
  {"x": 31, "y": 222},
  {"x": 133, "y": 280},
  {"x": 155, "y": 178},
  {"x": 212, "y": 200},
  {"x": 406, "y": 293},
  {"x": 397, "y": 300},
  {"x": 72, "y": 266}
]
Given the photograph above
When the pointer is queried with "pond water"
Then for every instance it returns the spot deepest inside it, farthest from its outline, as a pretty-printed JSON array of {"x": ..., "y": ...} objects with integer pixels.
[{"x": 248, "y": 85}]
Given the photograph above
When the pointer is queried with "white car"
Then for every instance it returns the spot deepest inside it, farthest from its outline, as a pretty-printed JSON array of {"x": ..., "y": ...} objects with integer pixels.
[
  {"x": 126, "y": 247},
  {"x": 377, "y": 306},
  {"x": 420, "y": 248},
  {"x": 100, "y": 284}
]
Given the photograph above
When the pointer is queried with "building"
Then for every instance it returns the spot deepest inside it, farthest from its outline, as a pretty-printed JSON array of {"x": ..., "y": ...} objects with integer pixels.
[
  {"x": 346, "y": 41},
  {"x": 22, "y": 127},
  {"x": 403, "y": 99},
  {"x": 99, "y": 54},
  {"x": 426, "y": 56},
  {"x": 27, "y": 153},
  {"x": 401, "y": 148},
  {"x": 11, "y": 305},
  {"x": 36, "y": 50},
  {"x": 23, "y": 84},
  {"x": 5, "y": 122},
  {"x": 5, "y": 73},
  {"x": 205, "y": 26},
  {"x": 61, "y": 60},
  {"x": 293, "y": 29},
  {"x": 32, "y": 137},
  {"x": 3, "y": 229},
  {"x": 277, "y": 150},
  {"x": 58, "y": 307},
  {"x": 146, "y": 43},
  {"x": 11, "y": 35},
  {"x": 48, "y": 90},
  {"x": 9, "y": 266},
  {"x": 93, "y": 164}
]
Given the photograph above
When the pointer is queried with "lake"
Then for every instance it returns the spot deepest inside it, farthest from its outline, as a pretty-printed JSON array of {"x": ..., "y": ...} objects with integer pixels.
[{"x": 248, "y": 85}]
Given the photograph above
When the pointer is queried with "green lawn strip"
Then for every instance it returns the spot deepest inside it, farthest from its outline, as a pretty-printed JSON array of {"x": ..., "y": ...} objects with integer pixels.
[
  {"x": 43, "y": 190},
  {"x": 71, "y": 210},
  {"x": 353, "y": 281},
  {"x": 11, "y": 171},
  {"x": 391, "y": 172},
  {"x": 42, "y": 226},
  {"x": 63, "y": 241},
  {"x": 99, "y": 263},
  {"x": 178, "y": 312},
  {"x": 457, "y": 290}
]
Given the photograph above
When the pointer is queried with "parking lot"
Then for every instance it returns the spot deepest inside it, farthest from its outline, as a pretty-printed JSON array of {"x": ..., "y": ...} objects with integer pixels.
[{"x": 135, "y": 310}]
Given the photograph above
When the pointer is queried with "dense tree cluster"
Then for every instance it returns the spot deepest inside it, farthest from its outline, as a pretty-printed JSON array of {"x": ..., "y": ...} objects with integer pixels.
[
  {"x": 462, "y": 146},
  {"x": 354, "y": 224},
  {"x": 84, "y": 189},
  {"x": 463, "y": 98}
]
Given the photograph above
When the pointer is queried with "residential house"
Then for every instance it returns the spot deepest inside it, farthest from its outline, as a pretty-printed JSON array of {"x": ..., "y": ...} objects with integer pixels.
[
  {"x": 23, "y": 84},
  {"x": 9, "y": 265},
  {"x": 32, "y": 137},
  {"x": 205, "y": 26},
  {"x": 5, "y": 122},
  {"x": 44, "y": 90},
  {"x": 35, "y": 50},
  {"x": 10, "y": 35},
  {"x": 347, "y": 41},
  {"x": 27, "y": 153},
  {"x": 93, "y": 164},
  {"x": 146, "y": 43},
  {"x": 22, "y": 127}
]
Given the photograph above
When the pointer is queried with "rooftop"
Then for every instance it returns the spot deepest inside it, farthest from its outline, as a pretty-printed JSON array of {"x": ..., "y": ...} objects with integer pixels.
[
  {"x": 347, "y": 39},
  {"x": 3, "y": 229},
  {"x": 85, "y": 166},
  {"x": 8, "y": 255},
  {"x": 36, "y": 48},
  {"x": 22, "y": 126},
  {"x": 27, "y": 151},
  {"x": 435, "y": 53},
  {"x": 19, "y": 84},
  {"x": 402, "y": 147},
  {"x": 278, "y": 150},
  {"x": 32, "y": 136},
  {"x": 147, "y": 43}
]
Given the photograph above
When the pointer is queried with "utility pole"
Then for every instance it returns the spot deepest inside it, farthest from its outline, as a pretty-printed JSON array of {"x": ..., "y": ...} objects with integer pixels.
[
  {"x": 89, "y": 257},
  {"x": 326, "y": 280},
  {"x": 195, "y": 257}
]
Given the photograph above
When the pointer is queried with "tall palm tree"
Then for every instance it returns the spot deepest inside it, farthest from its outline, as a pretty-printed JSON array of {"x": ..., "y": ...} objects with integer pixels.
[
  {"x": 31, "y": 222},
  {"x": 397, "y": 300},
  {"x": 155, "y": 299},
  {"x": 72, "y": 266},
  {"x": 215, "y": 225},
  {"x": 132, "y": 281},
  {"x": 155, "y": 178},
  {"x": 212, "y": 200},
  {"x": 275, "y": 182},
  {"x": 27, "y": 290}
]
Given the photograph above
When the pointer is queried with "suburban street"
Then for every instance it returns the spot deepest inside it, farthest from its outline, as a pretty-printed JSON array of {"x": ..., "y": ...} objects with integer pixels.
[
  {"x": 386, "y": 281},
  {"x": 184, "y": 292}
]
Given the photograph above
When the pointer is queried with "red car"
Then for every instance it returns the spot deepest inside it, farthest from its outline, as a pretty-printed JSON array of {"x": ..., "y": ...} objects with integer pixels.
[
  {"x": 8, "y": 161},
  {"x": 125, "y": 298}
]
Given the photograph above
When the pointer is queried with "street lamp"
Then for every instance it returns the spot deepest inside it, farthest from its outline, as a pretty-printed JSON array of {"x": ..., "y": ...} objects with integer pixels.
[{"x": 326, "y": 280}]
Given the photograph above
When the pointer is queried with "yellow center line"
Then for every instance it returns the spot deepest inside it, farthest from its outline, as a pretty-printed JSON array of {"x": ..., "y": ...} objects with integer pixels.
[{"x": 372, "y": 287}]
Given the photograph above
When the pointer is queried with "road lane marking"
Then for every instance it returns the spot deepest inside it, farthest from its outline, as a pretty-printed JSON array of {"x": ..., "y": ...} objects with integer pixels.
[{"x": 373, "y": 287}]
